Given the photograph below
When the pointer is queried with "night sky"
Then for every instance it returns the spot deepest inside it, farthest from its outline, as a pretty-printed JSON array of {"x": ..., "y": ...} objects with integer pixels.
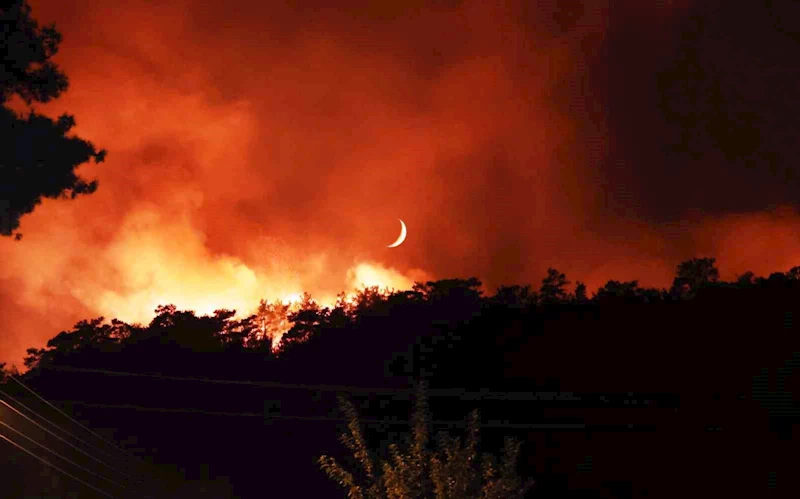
[{"x": 259, "y": 150}]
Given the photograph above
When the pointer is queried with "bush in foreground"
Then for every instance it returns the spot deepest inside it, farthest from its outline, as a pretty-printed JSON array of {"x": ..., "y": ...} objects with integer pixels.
[{"x": 455, "y": 470}]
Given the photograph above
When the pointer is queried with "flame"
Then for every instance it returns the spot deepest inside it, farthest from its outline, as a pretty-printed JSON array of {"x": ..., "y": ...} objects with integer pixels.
[
  {"x": 292, "y": 298},
  {"x": 243, "y": 175},
  {"x": 158, "y": 260},
  {"x": 371, "y": 274}
]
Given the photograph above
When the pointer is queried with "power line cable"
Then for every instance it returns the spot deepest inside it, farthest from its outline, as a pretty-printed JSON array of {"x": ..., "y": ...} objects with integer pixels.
[
  {"x": 39, "y": 458},
  {"x": 459, "y": 392},
  {"x": 263, "y": 384},
  {"x": 490, "y": 424},
  {"x": 133, "y": 482},
  {"x": 89, "y": 430},
  {"x": 54, "y": 425},
  {"x": 48, "y": 449},
  {"x": 63, "y": 440},
  {"x": 26, "y": 387},
  {"x": 154, "y": 476},
  {"x": 434, "y": 393},
  {"x": 124, "y": 453}
]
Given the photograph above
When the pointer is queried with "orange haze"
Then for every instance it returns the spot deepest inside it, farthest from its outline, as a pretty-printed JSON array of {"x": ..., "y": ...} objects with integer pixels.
[{"x": 258, "y": 150}]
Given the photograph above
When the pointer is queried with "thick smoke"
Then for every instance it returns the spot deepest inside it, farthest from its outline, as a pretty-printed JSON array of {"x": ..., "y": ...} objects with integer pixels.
[{"x": 258, "y": 150}]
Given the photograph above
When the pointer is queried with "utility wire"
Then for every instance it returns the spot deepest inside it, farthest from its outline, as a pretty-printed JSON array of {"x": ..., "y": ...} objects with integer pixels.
[
  {"x": 54, "y": 466},
  {"x": 124, "y": 453},
  {"x": 458, "y": 392},
  {"x": 70, "y": 461},
  {"x": 440, "y": 393},
  {"x": 490, "y": 424},
  {"x": 117, "y": 447},
  {"x": 263, "y": 384},
  {"x": 61, "y": 439},
  {"x": 132, "y": 482},
  {"x": 23, "y": 385},
  {"x": 54, "y": 425}
]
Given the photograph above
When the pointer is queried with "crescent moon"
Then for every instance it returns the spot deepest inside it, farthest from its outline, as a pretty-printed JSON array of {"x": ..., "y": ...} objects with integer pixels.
[{"x": 402, "y": 237}]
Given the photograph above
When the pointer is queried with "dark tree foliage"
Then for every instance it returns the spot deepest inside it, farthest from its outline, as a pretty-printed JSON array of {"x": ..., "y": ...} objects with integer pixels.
[
  {"x": 692, "y": 275},
  {"x": 305, "y": 321},
  {"x": 445, "y": 332},
  {"x": 37, "y": 158},
  {"x": 627, "y": 292},
  {"x": 553, "y": 289},
  {"x": 27, "y": 69},
  {"x": 581, "y": 298},
  {"x": 515, "y": 296}
]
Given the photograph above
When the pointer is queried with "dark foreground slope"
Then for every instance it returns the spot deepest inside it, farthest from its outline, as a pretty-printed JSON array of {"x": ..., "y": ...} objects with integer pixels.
[{"x": 613, "y": 399}]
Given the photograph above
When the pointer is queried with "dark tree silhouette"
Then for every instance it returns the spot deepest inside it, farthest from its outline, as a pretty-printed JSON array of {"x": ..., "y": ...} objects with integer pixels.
[
  {"x": 306, "y": 321},
  {"x": 515, "y": 296},
  {"x": 552, "y": 289},
  {"x": 692, "y": 275},
  {"x": 368, "y": 298},
  {"x": 6, "y": 370},
  {"x": 272, "y": 320},
  {"x": 37, "y": 158},
  {"x": 86, "y": 336},
  {"x": 183, "y": 331},
  {"x": 448, "y": 334},
  {"x": 629, "y": 290},
  {"x": 745, "y": 280},
  {"x": 238, "y": 335},
  {"x": 581, "y": 297},
  {"x": 466, "y": 290},
  {"x": 26, "y": 48},
  {"x": 791, "y": 275},
  {"x": 777, "y": 277}
]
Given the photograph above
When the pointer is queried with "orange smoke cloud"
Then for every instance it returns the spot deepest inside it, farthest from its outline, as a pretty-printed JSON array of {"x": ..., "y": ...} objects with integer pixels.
[{"x": 268, "y": 150}]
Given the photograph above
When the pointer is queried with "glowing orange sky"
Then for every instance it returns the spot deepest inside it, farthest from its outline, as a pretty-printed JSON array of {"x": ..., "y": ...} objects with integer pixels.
[{"x": 258, "y": 151}]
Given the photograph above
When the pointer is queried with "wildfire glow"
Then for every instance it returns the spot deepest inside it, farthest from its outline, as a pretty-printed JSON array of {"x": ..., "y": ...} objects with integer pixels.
[
  {"x": 385, "y": 279},
  {"x": 239, "y": 175},
  {"x": 292, "y": 298}
]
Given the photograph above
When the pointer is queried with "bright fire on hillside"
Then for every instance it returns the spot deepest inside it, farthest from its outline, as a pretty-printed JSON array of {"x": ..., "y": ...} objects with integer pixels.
[{"x": 139, "y": 307}]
